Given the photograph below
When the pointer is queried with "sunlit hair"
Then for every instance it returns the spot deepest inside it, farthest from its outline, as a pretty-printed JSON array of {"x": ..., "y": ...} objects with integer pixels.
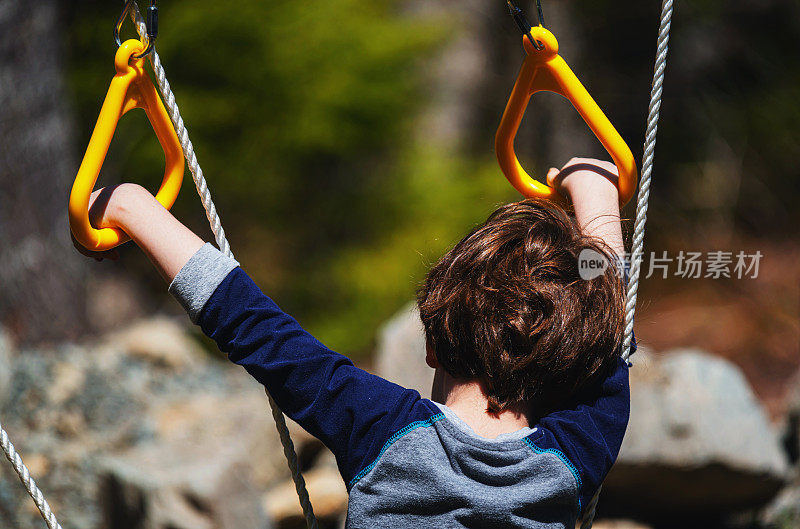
[{"x": 507, "y": 306}]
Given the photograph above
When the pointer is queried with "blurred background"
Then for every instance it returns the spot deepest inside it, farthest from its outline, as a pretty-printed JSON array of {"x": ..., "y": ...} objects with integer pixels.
[{"x": 347, "y": 145}]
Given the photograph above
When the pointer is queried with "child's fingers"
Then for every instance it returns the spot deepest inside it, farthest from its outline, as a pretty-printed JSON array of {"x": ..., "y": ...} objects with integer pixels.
[
  {"x": 588, "y": 163},
  {"x": 552, "y": 175},
  {"x": 112, "y": 254}
]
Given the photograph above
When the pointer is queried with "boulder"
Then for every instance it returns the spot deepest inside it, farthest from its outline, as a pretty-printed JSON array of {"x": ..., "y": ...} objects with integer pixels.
[
  {"x": 207, "y": 465},
  {"x": 143, "y": 415},
  {"x": 325, "y": 488},
  {"x": 163, "y": 341},
  {"x": 698, "y": 444},
  {"x": 5, "y": 362},
  {"x": 239, "y": 419},
  {"x": 197, "y": 474},
  {"x": 400, "y": 353},
  {"x": 165, "y": 488}
]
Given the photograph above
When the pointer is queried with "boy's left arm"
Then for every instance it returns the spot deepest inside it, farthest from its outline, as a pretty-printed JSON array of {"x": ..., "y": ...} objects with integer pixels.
[{"x": 350, "y": 410}]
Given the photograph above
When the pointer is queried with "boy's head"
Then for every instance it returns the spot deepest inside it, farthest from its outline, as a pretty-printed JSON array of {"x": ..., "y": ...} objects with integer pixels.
[{"x": 507, "y": 306}]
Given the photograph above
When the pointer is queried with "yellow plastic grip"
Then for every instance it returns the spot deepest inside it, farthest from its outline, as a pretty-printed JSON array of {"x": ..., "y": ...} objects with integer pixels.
[
  {"x": 130, "y": 88},
  {"x": 545, "y": 70}
]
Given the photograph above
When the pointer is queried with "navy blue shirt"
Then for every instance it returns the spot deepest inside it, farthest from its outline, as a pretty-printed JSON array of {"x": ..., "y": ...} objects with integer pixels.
[{"x": 408, "y": 461}]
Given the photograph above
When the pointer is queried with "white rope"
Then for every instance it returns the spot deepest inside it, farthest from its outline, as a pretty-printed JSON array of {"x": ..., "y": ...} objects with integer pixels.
[
  {"x": 642, "y": 201},
  {"x": 647, "y": 170},
  {"x": 219, "y": 234},
  {"x": 26, "y": 479},
  {"x": 590, "y": 510}
]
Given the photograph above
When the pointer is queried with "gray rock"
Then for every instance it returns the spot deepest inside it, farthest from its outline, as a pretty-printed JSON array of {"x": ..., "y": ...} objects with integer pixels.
[
  {"x": 177, "y": 485},
  {"x": 161, "y": 340},
  {"x": 400, "y": 354},
  {"x": 121, "y": 413},
  {"x": 792, "y": 426},
  {"x": 5, "y": 363},
  {"x": 698, "y": 444}
]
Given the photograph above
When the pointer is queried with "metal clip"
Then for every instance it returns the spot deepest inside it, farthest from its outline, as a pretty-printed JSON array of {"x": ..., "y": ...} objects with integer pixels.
[
  {"x": 151, "y": 25},
  {"x": 522, "y": 23}
]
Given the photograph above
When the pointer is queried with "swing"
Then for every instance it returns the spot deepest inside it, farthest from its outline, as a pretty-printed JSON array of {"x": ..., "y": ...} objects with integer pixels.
[
  {"x": 147, "y": 33},
  {"x": 545, "y": 70},
  {"x": 130, "y": 88}
]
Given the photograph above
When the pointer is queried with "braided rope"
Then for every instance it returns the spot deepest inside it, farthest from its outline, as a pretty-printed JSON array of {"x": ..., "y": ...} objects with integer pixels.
[
  {"x": 219, "y": 235},
  {"x": 647, "y": 170},
  {"x": 590, "y": 510},
  {"x": 641, "y": 202},
  {"x": 26, "y": 479}
]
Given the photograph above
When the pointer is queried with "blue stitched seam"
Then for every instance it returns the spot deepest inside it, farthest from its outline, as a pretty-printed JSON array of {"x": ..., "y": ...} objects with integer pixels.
[
  {"x": 397, "y": 435},
  {"x": 565, "y": 460}
]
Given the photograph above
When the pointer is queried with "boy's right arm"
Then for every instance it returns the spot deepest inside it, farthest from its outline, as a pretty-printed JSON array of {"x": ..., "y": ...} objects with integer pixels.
[
  {"x": 590, "y": 430},
  {"x": 592, "y": 187}
]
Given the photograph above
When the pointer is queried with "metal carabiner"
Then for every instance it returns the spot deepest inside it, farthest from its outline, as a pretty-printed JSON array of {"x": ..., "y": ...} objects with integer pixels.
[
  {"x": 151, "y": 31},
  {"x": 522, "y": 22}
]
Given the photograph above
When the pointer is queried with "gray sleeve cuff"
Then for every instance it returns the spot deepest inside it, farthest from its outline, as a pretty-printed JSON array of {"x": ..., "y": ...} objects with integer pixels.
[{"x": 199, "y": 278}]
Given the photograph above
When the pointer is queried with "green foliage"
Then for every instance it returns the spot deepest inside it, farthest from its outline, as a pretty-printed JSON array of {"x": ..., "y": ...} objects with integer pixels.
[
  {"x": 304, "y": 118},
  {"x": 301, "y": 114},
  {"x": 730, "y": 105}
]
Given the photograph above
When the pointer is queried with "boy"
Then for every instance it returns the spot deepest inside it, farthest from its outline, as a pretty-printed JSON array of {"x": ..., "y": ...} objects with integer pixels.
[{"x": 530, "y": 398}]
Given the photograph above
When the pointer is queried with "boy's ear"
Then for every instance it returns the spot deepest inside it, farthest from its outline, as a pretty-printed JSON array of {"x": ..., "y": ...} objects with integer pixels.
[{"x": 430, "y": 356}]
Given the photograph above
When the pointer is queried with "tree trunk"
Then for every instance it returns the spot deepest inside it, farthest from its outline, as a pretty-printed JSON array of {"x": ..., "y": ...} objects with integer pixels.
[{"x": 41, "y": 276}]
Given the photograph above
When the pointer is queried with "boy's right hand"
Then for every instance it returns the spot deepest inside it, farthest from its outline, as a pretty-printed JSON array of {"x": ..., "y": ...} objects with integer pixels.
[
  {"x": 580, "y": 174},
  {"x": 591, "y": 185}
]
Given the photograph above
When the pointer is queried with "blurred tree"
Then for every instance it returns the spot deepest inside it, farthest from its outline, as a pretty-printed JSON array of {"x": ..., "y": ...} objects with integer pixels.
[
  {"x": 43, "y": 287},
  {"x": 728, "y": 143},
  {"x": 298, "y": 113},
  {"x": 349, "y": 142}
]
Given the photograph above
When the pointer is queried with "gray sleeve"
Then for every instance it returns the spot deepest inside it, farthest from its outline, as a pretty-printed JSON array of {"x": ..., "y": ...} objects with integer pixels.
[{"x": 200, "y": 277}]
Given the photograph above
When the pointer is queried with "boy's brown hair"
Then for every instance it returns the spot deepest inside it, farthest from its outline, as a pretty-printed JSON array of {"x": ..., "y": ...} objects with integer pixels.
[{"x": 508, "y": 307}]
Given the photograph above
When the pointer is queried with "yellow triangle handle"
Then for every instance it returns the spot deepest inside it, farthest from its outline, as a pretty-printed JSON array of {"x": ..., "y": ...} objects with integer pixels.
[
  {"x": 544, "y": 69},
  {"x": 130, "y": 88}
]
